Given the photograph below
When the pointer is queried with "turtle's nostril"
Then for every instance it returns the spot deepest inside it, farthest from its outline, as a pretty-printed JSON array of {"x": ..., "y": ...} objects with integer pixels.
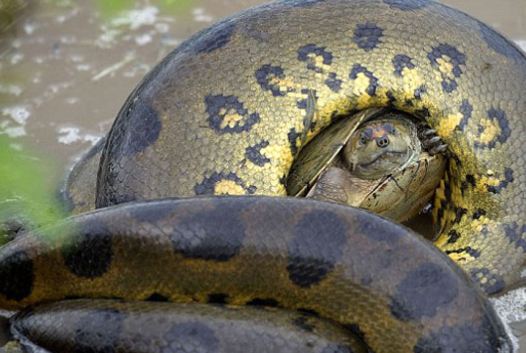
[{"x": 382, "y": 142}]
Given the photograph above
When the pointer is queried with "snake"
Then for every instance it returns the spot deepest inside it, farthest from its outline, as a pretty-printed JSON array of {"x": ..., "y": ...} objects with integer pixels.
[
  {"x": 309, "y": 256},
  {"x": 189, "y": 129},
  {"x": 225, "y": 114}
]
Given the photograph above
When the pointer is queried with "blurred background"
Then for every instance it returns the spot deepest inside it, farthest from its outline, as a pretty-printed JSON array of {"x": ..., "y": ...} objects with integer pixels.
[{"x": 66, "y": 67}]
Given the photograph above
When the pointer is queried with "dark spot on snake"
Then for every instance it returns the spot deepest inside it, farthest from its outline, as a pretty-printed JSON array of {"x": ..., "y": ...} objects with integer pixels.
[
  {"x": 516, "y": 234},
  {"x": 423, "y": 113},
  {"x": 208, "y": 185},
  {"x": 253, "y": 153},
  {"x": 459, "y": 213},
  {"x": 267, "y": 75},
  {"x": 214, "y": 234},
  {"x": 409, "y": 102},
  {"x": 333, "y": 82},
  {"x": 373, "y": 81},
  {"x": 99, "y": 328},
  {"x": 367, "y": 35},
  {"x": 316, "y": 247},
  {"x": 302, "y": 104},
  {"x": 470, "y": 179},
  {"x": 16, "y": 275},
  {"x": 303, "y": 323},
  {"x": 89, "y": 253},
  {"x": 493, "y": 282},
  {"x": 310, "y": 312},
  {"x": 423, "y": 292},
  {"x": 391, "y": 98},
  {"x": 293, "y": 137},
  {"x": 420, "y": 91},
  {"x": 379, "y": 230},
  {"x": 215, "y": 38},
  {"x": 337, "y": 348},
  {"x": 452, "y": 236},
  {"x": 156, "y": 297},
  {"x": 451, "y": 55},
  {"x": 401, "y": 62},
  {"x": 306, "y": 53},
  {"x": 407, "y": 5},
  {"x": 468, "y": 250},
  {"x": 441, "y": 210},
  {"x": 140, "y": 117},
  {"x": 273, "y": 303},
  {"x": 505, "y": 131},
  {"x": 226, "y": 114},
  {"x": 191, "y": 336},
  {"x": 479, "y": 213},
  {"x": 153, "y": 212},
  {"x": 486, "y": 337},
  {"x": 500, "y": 44},
  {"x": 455, "y": 160},
  {"x": 508, "y": 178},
  {"x": 217, "y": 298},
  {"x": 466, "y": 109}
]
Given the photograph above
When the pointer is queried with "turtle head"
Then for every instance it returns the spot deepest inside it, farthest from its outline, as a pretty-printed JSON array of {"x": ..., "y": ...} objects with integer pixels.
[{"x": 381, "y": 147}]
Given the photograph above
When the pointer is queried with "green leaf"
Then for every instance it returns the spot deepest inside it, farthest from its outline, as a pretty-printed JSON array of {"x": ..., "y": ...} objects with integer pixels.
[{"x": 27, "y": 194}]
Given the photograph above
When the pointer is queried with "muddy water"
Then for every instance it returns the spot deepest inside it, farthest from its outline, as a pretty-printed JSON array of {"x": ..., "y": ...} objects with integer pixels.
[{"x": 67, "y": 66}]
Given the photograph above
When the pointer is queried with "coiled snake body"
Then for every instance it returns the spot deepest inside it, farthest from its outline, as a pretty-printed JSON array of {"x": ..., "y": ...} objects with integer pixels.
[{"x": 225, "y": 114}]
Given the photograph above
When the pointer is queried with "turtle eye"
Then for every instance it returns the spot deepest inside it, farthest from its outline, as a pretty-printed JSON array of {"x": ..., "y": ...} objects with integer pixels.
[
  {"x": 363, "y": 139},
  {"x": 389, "y": 128},
  {"x": 365, "y": 136}
]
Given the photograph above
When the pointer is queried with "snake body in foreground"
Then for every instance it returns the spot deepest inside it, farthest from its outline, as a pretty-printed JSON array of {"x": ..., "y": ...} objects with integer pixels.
[
  {"x": 306, "y": 255},
  {"x": 226, "y": 113}
]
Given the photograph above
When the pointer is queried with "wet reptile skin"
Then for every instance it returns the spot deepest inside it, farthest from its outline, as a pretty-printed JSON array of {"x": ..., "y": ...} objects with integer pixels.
[
  {"x": 321, "y": 258},
  {"x": 224, "y": 113},
  {"x": 134, "y": 327}
]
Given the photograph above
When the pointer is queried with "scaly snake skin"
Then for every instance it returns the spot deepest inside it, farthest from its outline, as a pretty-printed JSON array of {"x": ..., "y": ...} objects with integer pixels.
[
  {"x": 225, "y": 114},
  {"x": 332, "y": 261}
]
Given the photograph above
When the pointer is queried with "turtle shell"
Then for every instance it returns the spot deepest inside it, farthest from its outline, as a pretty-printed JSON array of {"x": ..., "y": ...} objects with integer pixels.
[{"x": 318, "y": 155}]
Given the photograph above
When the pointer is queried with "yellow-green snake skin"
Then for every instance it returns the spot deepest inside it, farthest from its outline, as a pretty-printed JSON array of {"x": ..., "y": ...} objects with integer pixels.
[{"x": 225, "y": 113}]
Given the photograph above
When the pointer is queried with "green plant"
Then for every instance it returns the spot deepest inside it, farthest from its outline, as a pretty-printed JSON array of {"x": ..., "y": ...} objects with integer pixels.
[{"x": 27, "y": 196}]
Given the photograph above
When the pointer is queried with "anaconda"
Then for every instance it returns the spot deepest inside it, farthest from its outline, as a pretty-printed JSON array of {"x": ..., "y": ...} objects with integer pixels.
[
  {"x": 134, "y": 327},
  {"x": 224, "y": 114},
  {"x": 320, "y": 258}
]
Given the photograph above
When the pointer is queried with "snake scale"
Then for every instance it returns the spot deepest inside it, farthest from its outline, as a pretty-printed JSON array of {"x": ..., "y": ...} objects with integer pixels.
[{"x": 225, "y": 113}]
